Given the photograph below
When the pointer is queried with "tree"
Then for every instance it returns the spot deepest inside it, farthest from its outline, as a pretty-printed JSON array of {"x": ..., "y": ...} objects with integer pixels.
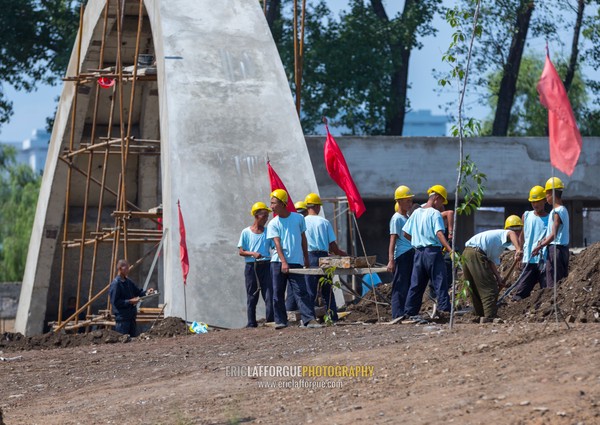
[
  {"x": 19, "y": 188},
  {"x": 591, "y": 56},
  {"x": 527, "y": 116},
  {"x": 507, "y": 25},
  {"x": 36, "y": 37},
  {"x": 356, "y": 67},
  {"x": 510, "y": 72}
]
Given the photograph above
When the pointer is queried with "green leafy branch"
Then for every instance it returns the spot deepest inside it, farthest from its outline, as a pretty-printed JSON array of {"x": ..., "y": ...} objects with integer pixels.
[
  {"x": 472, "y": 188},
  {"x": 328, "y": 280},
  {"x": 469, "y": 181}
]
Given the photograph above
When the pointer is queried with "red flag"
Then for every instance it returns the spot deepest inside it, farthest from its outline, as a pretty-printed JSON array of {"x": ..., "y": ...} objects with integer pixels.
[
  {"x": 565, "y": 139},
  {"x": 276, "y": 183},
  {"x": 183, "y": 253},
  {"x": 338, "y": 170}
]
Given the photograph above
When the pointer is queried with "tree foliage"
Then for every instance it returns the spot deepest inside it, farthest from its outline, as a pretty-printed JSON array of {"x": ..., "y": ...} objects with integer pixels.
[
  {"x": 528, "y": 116},
  {"x": 356, "y": 65},
  {"x": 19, "y": 188},
  {"x": 36, "y": 37},
  {"x": 492, "y": 58}
]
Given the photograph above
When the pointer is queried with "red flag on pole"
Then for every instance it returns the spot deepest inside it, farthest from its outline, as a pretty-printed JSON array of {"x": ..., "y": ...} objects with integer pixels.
[
  {"x": 565, "y": 139},
  {"x": 276, "y": 183},
  {"x": 338, "y": 170},
  {"x": 183, "y": 253}
]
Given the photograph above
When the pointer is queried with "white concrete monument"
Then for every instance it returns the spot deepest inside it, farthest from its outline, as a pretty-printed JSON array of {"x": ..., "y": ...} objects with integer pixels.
[{"x": 220, "y": 105}]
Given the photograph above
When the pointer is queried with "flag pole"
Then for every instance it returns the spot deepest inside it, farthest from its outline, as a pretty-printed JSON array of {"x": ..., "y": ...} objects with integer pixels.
[
  {"x": 368, "y": 264},
  {"x": 185, "y": 306},
  {"x": 554, "y": 271}
]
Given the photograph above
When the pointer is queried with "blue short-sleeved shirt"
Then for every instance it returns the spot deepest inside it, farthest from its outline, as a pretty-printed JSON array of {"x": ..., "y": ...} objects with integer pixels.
[
  {"x": 256, "y": 242},
  {"x": 423, "y": 225},
  {"x": 492, "y": 242},
  {"x": 534, "y": 230},
  {"x": 402, "y": 244},
  {"x": 289, "y": 230},
  {"x": 319, "y": 233},
  {"x": 562, "y": 236}
]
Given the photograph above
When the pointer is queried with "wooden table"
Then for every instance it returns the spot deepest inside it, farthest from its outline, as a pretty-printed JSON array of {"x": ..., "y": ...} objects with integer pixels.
[{"x": 317, "y": 271}]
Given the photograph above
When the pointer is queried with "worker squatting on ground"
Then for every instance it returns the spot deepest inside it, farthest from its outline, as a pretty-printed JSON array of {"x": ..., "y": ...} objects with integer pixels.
[
  {"x": 481, "y": 255},
  {"x": 287, "y": 232},
  {"x": 557, "y": 234},
  {"x": 535, "y": 223},
  {"x": 321, "y": 241},
  {"x": 425, "y": 231},
  {"x": 124, "y": 295},
  {"x": 256, "y": 249},
  {"x": 401, "y": 252}
]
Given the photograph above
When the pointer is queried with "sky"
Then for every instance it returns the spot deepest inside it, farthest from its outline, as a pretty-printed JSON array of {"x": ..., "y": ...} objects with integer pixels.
[{"x": 32, "y": 109}]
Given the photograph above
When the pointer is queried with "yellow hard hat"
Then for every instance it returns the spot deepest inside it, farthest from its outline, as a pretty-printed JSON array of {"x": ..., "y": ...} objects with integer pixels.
[
  {"x": 281, "y": 195},
  {"x": 513, "y": 221},
  {"x": 537, "y": 193},
  {"x": 312, "y": 199},
  {"x": 556, "y": 182},
  {"x": 300, "y": 205},
  {"x": 440, "y": 190},
  {"x": 403, "y": 192},
  {"x": 257, "y": 207}
]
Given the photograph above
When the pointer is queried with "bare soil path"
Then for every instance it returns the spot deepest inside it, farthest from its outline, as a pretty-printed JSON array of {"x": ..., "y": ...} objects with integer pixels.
[{"x": 527, "y": 373}]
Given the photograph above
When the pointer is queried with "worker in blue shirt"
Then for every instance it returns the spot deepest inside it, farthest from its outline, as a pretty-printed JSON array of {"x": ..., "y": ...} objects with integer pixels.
[
  {"x": 401, "y": 253},
  {"x": 321, "y": 241},
  {"x": 535, "y": 223},
  {"x": 557, "y": 234},
  {"x": 425, "y": 231},
  {"x": 290, "y": 300},
  {"x": 287, "y": 232},
  {"x": 256, "y": 249},
  {"x": 481, "y": 256},
  {"x": 124, "y": 296}
]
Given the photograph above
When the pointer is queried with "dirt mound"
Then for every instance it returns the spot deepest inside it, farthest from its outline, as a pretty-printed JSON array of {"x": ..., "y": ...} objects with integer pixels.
[
  {"x": 169, "y": 327},
  {"x": 19, "y": 342},
  {"x": 578, "y": 296},
  {"x": 366, "y": 309},
  {"x": 166, "y": 328},
  {"x": 506, "y": 263}
]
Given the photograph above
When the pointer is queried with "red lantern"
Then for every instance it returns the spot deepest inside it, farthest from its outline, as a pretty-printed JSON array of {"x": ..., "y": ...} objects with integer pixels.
[{"x": 105, "y": 82}]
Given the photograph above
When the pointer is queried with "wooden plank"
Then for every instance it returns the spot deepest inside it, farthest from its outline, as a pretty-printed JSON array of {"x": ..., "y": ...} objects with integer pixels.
[
  {"x": 316, "y": 271},
  {"x": 347, "y": 262}
]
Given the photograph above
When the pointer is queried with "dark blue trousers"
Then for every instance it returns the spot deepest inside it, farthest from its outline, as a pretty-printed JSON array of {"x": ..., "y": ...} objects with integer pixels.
[
  {"x": 312, "y": 285},
  {"x": 561, "y": 265},
  {"x": 298, "y": 286},
  {"x": 258, "y": 275},
  {"x": 127, "y": 326},
  {"x": 401, "y": 282},
  {"x": 532, "y": 273},
  {"x": 290, "y": 299},
  {"x": 428, "y": 265}
]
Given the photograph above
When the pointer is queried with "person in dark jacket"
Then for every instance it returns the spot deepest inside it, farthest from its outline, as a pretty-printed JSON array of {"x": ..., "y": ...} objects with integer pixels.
[{"x": 124, "y": 295}]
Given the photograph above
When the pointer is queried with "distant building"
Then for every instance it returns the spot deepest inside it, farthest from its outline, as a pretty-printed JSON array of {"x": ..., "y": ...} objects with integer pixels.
[
  {"x": 423, "y": 123},
  {"x": 32, "y": 151},
  {"x": 416, "y": 123}
]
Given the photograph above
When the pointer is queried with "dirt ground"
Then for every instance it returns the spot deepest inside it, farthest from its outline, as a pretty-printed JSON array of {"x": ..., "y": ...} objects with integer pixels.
[{"x": 527, "y": 370}]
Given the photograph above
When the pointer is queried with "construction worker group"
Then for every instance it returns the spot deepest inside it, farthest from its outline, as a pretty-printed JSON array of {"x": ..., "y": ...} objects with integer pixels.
[{"x": 420, "y": 255}]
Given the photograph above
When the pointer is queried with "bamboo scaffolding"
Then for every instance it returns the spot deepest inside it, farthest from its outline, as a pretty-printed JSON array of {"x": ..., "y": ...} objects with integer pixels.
[
  {"x": 120, "y": 235},
  {"x": 102, "y": 292},
  {"x": 69, "y": 171}
]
